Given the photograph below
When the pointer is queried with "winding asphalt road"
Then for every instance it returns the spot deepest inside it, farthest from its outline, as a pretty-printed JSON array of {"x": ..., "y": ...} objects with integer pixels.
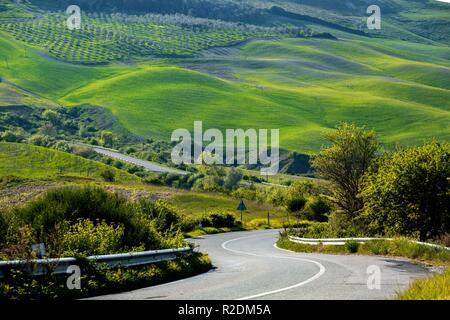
[
  {"x": 249, "y": 266},
  {"x": 150, "y": 166}
]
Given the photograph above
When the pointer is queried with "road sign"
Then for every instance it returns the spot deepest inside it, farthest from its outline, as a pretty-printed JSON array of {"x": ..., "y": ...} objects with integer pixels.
[{"x": 242, "y": 208}]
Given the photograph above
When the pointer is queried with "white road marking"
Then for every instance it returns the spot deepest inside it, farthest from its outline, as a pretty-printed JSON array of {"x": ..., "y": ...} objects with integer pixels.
[{"x": 315, "y": 277}]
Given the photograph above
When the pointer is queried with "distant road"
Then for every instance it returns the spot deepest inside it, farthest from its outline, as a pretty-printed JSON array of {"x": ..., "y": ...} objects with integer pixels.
[
  {"x": 142, "y": 163},
  {"x": 249, "y": 267}
]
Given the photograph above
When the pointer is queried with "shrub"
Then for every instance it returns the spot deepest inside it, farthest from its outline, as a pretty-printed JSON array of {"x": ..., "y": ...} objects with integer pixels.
[
  {"x": 74, "y": 203},
  {"x": 378, "y": 247},
  {"x": 249, "y": 192},
  {"x": 352, "y": 246},
  {"x": 295, "y": 203},
  {"x": 108, "y": 175},
  {"x": 308, "y": 229},
  {"x": 188, "y": 223},
  {"x": 223, "y": 220},
  {"x": 218, "y": 219},
  {"x": 232, "y": 179},
  {"x": 317, "y": 208},
  {"x": 164, "y": 215},
  {"x": 86, "y": 238}
]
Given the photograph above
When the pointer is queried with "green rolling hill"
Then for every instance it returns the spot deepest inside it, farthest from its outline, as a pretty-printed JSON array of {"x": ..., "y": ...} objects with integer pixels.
[
  {"x": 27, "y": 161},
  {"x": 303, "y": 86}
]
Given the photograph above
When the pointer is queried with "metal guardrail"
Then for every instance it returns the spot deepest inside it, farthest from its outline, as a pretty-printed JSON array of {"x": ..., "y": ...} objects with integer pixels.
[
  {"x": 342, "y": 241},
  {"x": 59, "y": 265}
]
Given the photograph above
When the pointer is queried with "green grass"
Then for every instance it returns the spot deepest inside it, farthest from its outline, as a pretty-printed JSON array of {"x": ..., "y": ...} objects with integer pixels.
[
  {"x": 307, "y": 86},
  {"x": 31, "y": 162},
  {"x": 399, "y": 247},
  {"x": 434, "y": 288},
  {"x": 197, "y": 204}
]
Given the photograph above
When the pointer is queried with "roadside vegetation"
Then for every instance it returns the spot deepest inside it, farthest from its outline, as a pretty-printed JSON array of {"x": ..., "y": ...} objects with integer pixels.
[
  {"x": 398, "y": 247},
  {"x": 436, "y": 288},
  {"x": 123, "y": 80},
  {"x": 405, "y": 193},
  {"x": 84, "y": 221}
]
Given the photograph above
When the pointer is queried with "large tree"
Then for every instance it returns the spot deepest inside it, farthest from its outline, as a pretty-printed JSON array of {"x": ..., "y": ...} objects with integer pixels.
[
  {"x": 408, "y": 192},
  {"x": 344, "y": 163}
]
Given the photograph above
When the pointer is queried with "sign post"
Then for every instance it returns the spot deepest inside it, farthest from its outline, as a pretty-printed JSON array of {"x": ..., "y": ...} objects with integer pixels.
[{"x": 242, "y": 208}]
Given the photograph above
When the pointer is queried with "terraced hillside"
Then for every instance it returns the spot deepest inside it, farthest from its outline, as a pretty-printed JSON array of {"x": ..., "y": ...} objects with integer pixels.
[{"x": 110, "y": 37}]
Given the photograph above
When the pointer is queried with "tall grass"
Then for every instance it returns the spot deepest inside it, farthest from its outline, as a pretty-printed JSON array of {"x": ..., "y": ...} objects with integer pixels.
[
  {"x": 400, "y": 247},
  {"x": 435, "y": 288}
]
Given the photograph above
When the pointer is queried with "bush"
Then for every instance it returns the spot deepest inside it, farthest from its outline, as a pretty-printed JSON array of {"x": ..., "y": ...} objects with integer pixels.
[
  {"x": 74, "y": 203},
  {"x": 317, "y": 208},
  {"x": 407, "y": 193},
  {"x": 378, "y": 247},
  {"x": 164, "y": 215},
  {"x": 218, "y": 219},
  {"x": 108, "y": 175},
  {"x": 86, "y": 238},
  {"x": 295, "y": 203},
  {"x": 102, "y": 281},
  {"x": 312, "y": 230},
  {"x": 351, "y": 246},
  {"x": 188, "y": 223}
]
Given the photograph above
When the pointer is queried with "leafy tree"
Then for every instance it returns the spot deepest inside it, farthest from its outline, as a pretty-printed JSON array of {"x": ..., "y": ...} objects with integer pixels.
[
  {"x": 107, "y": 138},
  {"x": 233, "y": 179},
  {"x": 13, "y": 136},
  {"x": 408, "y": 192},
  {"x": 52, "y": 116},
  {"x": 345, "y": 162},
  {"x": 40, "y": 140},
  {"x": 47, "y": 129},
  {"x": 294, "y": 199}
]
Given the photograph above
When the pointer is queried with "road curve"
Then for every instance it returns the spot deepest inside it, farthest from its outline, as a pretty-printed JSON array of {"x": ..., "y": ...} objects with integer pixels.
[
  {"x": 150, "y": 166},
  {"x": 250, "y": 267}
]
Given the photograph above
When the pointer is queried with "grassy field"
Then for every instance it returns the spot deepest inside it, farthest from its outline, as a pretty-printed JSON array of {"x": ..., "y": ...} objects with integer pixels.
[
  {"x": 304, "y": 87},
  {"x": 37, "y": 164},
  {"x": 31, "y": 162},
  {"x": 307, "y": 87},
  {"x": 198, "y": 204}
]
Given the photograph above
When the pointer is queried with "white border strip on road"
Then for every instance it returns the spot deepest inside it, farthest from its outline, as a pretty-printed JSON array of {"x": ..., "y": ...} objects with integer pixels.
[{"x": 315, "y": 277}]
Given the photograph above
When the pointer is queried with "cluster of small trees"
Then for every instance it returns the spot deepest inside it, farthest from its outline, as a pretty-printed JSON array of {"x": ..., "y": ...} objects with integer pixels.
[{"x": 53, "y": 128}]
